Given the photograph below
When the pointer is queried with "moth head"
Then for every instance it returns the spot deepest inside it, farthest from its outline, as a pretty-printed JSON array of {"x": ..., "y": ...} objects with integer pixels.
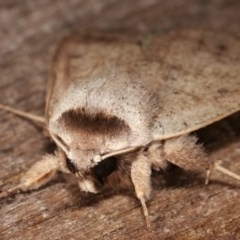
[{"x": 87, "y": 137}]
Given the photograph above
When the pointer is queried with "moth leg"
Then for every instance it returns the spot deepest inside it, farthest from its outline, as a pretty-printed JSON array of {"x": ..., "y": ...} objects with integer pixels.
[
  {"x": 184, "y": 152},
  {"x": 23, "y": 114},
  {"x": 208, "y": 174},
  {"x": 141, "y": 178},
  {"x": 39, "y": 174},
  {"x": 227, "y": 172},
  {"x": 156, "y": 156}
]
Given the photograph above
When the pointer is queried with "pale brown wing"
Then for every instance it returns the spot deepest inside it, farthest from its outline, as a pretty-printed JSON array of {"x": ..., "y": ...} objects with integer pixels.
[
  {"x": 77, "y": 57},
  {"x": 200, "y": 79},
  {"x": 58, "y": 74},
  {"x": 184, "y": 80}
]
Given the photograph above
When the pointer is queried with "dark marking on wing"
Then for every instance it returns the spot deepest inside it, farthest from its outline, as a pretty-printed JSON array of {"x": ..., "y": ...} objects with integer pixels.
[{"x": 98, "y": 123}]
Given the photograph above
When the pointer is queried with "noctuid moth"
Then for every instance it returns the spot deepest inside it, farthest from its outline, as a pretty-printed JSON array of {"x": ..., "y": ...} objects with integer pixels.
[{"x": 121, "y": 103}]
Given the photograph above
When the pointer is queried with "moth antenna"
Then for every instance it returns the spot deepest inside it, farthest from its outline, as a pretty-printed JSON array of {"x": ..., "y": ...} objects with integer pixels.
[
  {"x": 227, "y": 172},
  {"x": 23, "y": 114},
  {"x": 115, "y": 153},
  {"x": 146, "y": 214}
]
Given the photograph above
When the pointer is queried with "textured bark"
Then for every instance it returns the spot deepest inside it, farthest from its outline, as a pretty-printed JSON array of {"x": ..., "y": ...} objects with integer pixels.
[{"x": 182, "y": 207}]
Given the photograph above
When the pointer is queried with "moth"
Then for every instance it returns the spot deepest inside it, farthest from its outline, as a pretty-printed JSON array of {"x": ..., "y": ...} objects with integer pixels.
[{"x": 120, "y": 106}]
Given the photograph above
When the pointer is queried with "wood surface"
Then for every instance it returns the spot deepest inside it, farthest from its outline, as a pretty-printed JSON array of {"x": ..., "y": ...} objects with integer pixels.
[{"x": 182, "y": 207}]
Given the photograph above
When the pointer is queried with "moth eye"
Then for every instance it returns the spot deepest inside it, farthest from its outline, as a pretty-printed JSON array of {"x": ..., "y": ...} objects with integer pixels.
[
  {"x": 72, "y": 168},
  {"x": 105, "y": 168}
]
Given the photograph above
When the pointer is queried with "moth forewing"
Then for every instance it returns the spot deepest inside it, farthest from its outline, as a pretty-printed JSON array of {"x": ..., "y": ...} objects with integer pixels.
[
  {"x": 200, "y": 81},
  {"x": 117, "y": 103}
]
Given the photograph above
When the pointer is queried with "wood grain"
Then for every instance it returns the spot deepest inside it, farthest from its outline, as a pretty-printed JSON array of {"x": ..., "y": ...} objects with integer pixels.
[{"x": 182, "y": 207}]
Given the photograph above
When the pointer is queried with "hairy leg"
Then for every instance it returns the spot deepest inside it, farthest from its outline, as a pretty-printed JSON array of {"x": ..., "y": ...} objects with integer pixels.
[
  {"x": 39, "y": 174},
  {"x": 141, "y": 178},
  {"x": 184, "y": 152},
  {"x": 156, "y": 156}
]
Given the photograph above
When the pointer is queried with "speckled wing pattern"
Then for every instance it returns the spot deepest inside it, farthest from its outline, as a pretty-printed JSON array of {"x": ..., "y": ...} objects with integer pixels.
[{"x": 200, "y": 79}]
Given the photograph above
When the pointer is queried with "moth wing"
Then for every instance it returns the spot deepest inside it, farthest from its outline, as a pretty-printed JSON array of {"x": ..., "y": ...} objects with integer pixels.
[
  {"x": 199, "y": 79},
  {"x": 191, "y": 78},
  {"x": 82, "y": 56},
  {"x": 57, "y": 79}
]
